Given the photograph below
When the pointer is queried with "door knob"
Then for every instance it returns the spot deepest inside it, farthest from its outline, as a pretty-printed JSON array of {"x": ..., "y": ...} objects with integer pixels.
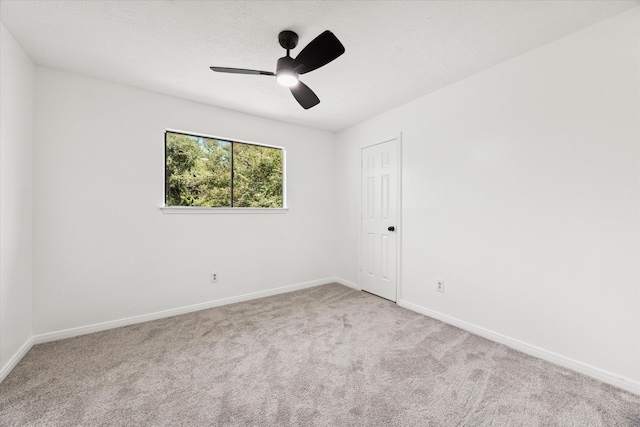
[{"x": 392, "y": 228}]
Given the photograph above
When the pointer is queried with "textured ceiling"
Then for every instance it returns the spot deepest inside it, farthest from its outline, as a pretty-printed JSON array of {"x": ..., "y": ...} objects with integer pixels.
[{"x": 396, "y": 51}]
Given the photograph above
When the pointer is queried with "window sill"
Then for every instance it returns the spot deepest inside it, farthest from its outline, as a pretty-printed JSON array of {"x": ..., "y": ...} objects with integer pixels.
[{"x": 205, "y": 210}]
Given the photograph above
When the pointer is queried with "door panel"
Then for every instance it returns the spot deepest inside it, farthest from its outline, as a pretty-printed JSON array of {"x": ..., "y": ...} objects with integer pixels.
[{"x": 379, "y": 212}]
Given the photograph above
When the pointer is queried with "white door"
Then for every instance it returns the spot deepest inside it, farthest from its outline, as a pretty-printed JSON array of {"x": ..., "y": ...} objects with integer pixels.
[{"x": 380, "y": 189}]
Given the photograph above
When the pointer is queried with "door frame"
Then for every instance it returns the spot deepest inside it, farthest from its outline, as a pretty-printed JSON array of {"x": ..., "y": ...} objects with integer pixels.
[{"x": 399, "y": 227}]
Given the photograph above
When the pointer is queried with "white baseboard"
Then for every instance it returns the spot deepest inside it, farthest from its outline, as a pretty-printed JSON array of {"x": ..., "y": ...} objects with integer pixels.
[
  {"x": 347, "y": 283},
  {"x": 83, "y": 330},
  {"x": 599, "y": 374},
  {"x": 8, "y": 367}
]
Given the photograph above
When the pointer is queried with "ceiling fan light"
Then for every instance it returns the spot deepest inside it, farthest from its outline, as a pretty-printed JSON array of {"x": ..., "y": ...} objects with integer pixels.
[{"x": 287, "y": 78}]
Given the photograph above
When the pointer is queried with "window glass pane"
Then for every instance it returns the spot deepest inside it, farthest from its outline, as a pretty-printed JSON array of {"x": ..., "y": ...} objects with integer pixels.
[
  {"x": 198, "y": 171},
  {"x": 257, "y": 176}
]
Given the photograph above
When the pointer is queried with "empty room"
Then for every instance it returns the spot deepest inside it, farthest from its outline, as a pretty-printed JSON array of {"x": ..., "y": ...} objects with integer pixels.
[{"x": 320, "y": 213}]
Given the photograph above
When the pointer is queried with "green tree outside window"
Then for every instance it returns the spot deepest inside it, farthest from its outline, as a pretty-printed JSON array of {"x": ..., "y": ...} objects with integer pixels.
[{"x": 209, "y": 172}]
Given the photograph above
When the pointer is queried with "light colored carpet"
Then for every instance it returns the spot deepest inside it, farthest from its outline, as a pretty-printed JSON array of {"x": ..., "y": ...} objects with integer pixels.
[{"x": 328, "y": 355}]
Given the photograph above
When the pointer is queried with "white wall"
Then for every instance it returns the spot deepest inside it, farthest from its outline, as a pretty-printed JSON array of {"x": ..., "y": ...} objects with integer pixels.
[
  {"x": 103, "y": 250},
  {"x": 16, "y": 200},
  {"x": 521, "y": 189}
]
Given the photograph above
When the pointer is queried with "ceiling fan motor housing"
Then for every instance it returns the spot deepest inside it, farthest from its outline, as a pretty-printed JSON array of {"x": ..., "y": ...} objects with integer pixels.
[{"x": 284, "y": 63}]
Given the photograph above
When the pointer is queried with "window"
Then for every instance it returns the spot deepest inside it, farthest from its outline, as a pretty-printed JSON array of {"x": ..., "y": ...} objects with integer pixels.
[{"x": 210, "y": 172}]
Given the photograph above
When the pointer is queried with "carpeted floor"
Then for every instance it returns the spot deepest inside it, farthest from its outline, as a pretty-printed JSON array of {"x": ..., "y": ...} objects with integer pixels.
[{"x": 328, "y": 356}]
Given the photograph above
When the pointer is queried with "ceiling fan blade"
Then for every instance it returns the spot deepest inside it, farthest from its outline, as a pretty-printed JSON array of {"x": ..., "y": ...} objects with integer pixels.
[
  {"x": 305, "y": 96},
  {"x": 322, "y": 50},
  {"x": 241, "y": 71}
]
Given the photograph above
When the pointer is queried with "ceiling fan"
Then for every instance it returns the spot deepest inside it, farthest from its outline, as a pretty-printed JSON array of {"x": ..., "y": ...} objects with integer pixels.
[{"x": 320, "y": 51}]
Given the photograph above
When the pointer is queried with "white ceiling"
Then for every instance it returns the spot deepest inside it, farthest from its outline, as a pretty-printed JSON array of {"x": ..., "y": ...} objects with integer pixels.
[{"x": 396, "y": 51}]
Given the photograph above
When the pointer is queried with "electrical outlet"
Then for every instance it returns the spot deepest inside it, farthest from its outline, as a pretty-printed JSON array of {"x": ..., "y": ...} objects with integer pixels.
[
  {"x": 440, "y": 286},
  {"x": 214, "y": 277}
]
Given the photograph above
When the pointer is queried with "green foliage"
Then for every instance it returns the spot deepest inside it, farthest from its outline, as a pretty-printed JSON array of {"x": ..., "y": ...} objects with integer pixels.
[
  {"x": 257, "y": 176},
  {"x": 198, "y": 173}
]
